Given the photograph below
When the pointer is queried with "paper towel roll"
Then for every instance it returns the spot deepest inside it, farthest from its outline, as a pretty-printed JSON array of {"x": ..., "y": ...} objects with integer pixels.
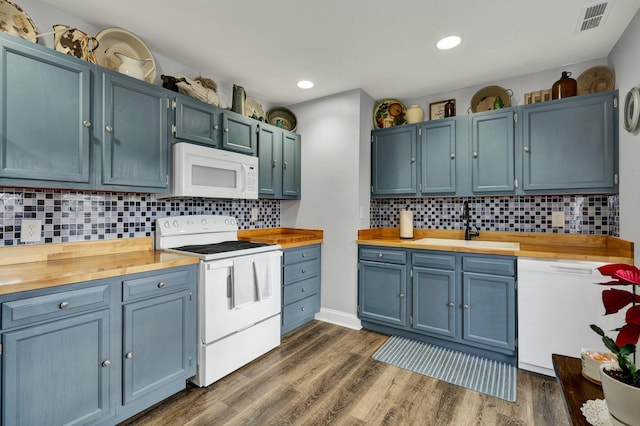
[{"x": 406, "y": 224}]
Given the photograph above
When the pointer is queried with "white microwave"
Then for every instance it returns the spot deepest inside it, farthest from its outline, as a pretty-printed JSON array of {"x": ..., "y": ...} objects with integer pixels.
[{"x": 199, "y": 171}]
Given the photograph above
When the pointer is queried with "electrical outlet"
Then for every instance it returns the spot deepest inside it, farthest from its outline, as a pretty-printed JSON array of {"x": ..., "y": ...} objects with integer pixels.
[
  {"x": 557, "y": 219},
  {"x": 254, "y": 214},
  {"x": 31, "y": 230}
]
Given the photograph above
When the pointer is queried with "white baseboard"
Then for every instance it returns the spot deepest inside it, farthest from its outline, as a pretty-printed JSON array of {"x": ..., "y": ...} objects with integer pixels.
[{"x": 339, "y": 318}]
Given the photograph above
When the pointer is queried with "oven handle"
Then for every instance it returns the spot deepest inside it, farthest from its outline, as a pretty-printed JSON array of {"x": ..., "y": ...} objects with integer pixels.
[
  {"x": 245, "y": 181},
  {"x": 229, "y": 287}
]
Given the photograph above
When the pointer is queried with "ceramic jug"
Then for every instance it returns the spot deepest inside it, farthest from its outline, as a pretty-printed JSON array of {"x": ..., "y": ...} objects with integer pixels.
[
  {"x": 133, "y": 67},
  {"x": 414, "y": 114}
]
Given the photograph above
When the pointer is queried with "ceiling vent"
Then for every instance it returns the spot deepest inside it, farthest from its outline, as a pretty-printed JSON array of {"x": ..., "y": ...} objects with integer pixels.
[{"x": 594, "y": 15}]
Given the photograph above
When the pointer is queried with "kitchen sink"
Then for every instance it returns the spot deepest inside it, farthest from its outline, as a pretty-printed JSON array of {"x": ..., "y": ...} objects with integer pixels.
[{"x": 494, "y": 245}]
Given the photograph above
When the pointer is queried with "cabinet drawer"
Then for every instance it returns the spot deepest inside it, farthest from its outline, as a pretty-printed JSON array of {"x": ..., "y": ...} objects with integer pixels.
[
  {"x": 434, "y": 260},
  {"x": 300, "y": 309},
  {"x": 41, "y": 308},
  {"x": 301, "y": 254},
  {"x": 490, "y": 265},
  {"x": 154, "y": 285},
  {"x": 300, "y": 271},
  {"x": 383, "y": 255},
  {"x": 300, "y": 290}
]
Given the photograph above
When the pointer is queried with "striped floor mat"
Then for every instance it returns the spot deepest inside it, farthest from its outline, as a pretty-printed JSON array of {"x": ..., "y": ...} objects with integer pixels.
[{"x": 471, "y": 371}]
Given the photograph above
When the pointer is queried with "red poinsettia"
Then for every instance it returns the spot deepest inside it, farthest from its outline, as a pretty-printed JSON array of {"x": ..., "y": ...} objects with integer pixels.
[{"x": 614, "y": 300}]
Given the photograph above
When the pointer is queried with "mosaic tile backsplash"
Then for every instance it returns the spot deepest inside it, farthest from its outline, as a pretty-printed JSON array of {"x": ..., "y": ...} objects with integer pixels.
[
  {"x": 588, "y": 214},
  {"x": 76, "y": 216}
]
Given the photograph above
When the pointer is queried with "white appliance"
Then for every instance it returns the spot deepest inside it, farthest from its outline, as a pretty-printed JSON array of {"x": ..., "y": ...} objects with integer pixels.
[
  {"x": 238, "y": 291},
  {"x": 199, "y": 171},
  {"x": 557, "y": 302}
]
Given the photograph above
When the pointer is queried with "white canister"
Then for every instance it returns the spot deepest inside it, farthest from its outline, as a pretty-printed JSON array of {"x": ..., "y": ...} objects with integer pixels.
[
  {"x": 406, "y": 224},
  {"x": 414, "y": 114}
]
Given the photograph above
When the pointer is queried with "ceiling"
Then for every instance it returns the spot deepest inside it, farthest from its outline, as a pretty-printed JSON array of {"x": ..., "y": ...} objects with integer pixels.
[{"x": 386, "y": 48}]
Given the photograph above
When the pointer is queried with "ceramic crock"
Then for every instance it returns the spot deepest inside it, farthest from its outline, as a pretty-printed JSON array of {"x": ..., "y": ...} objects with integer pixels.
[
  {"x": 622, "y": 399},
  {"x": 414, "y": 114}
]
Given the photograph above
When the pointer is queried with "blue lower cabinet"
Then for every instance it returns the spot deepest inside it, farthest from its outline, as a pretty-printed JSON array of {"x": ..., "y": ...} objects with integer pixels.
[
  {"x": 301, "y": 271},
  {"x": 434, "y": 296},
  {"x": 86, "y": 353}
]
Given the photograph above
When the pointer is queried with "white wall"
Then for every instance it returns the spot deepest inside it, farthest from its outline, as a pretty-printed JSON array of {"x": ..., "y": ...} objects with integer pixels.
[
  {"x": 334, "y": 136},
  {"x": 625, "y": 59}
]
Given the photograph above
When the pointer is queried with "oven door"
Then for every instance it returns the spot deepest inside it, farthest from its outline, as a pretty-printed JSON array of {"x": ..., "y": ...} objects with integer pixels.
[{"x": 218, "y": 317}]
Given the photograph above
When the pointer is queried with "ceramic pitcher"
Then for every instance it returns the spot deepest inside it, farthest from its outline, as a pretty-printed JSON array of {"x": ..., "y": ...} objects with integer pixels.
[{"x": 133, "y": 67}]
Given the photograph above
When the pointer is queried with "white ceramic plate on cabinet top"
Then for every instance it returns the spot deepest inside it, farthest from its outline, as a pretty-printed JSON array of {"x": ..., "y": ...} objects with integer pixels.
[
  {"x": 16, "y": 22},
  {"x": 113, "y": 40}
]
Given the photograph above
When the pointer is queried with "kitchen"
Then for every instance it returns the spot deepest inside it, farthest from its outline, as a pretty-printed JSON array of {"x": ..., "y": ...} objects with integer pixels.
[{"x": 349, "y": 116}]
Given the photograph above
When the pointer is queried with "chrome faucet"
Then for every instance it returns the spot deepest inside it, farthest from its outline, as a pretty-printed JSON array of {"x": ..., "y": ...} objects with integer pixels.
[{"x": 468, "y": 232}]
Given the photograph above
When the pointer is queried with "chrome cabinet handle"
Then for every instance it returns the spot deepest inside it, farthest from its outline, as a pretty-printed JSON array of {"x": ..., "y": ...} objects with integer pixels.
[
  {"x": 303, "y": 290},
  {"x": 304, "y": 255},
  {"x": 129, "y": 355},
  {"x": 380, "y": 255},
  {"x": 452, "y": 156},
  {"x": 451, "y": 305},
  {"x": 303, "y": 271},
  {"x": 109, "y": 129},
  {"x": 302, "y": 309},
  {"x": 273, "y": 164},
  {"x": 413, "y": 159},
  {"x": 401, "y": 295},
  {"x": 465, "y": 306},
  {"x": 285, "y": 165},
  {"x": 161, "y": 284},
  {"x": 475, "y": 154},
  {"x": 216, "y": 127},
  {"x": 64, "y": 305},
  {"x": 526, "y": 149},
  {"x": 106, "y": 363},
  {"x": 86, "y": 123},
  {"x": 226, "y": 130}
]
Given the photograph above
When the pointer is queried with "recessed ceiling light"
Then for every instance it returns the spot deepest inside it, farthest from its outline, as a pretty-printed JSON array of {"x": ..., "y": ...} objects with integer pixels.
[
  {"x": 449, "y": 42},
  {"x": 305, "y": 84}
]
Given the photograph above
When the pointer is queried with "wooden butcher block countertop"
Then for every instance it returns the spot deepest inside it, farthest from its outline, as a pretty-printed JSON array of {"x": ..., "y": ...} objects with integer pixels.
[
  {"x": 286, "y": 237},
  {"x": 597, "y": 248},
  {"x": 30, "y": 267}
]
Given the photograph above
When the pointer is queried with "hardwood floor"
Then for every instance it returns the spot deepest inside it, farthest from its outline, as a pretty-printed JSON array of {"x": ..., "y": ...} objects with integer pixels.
[{"x": 323, "y": 373}]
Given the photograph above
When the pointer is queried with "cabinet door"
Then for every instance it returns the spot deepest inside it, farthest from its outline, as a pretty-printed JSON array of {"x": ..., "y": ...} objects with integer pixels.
[
  {"x": 489, "y": 310},
  {"x": 269, "y": 162},
  {"x": 57, "y": 373},
  {"x": 291, "y": 170},
  {"x": 569, "y": 144},
  {"x": 239, "y": 133},
  {"x": 197, "y": 122},
  {"x": 382, "y": 290},
  {"x": 393, "y": 161},
  {"x": 493, "y": 162},
  {"x": 156, "y": 343},
  {"x": 438, "y": 157},
  {"x": 45, "y": 119},
  {"x": 134, "y": 134},
  {"x": 434, "y": 301}
]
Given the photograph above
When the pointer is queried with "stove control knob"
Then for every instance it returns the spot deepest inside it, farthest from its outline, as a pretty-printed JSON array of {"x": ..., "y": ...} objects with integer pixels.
[
  {"x": 233, "y": 222},
  {"x": 204, "y": 221},
  {"x": 176, "y": 223},
  {"x": 167, "y": 224}
]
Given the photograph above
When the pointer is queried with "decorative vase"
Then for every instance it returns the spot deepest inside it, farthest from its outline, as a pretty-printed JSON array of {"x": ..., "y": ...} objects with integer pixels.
[
  {"x": 622, "y": 399},
  {"x": 565, "y": 87},
  {"x": 414, "y": 114}
]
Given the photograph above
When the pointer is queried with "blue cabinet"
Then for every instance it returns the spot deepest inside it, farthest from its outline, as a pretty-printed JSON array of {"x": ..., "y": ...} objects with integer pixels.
[
  {"x": 394, "y": 155},
  {"x": 45, "y": 117},
  {"x": 570, "y": 145},
  {"x": 239, "y": 133},
  {"x": 133, "y": 134},
  {"x": 493, "y": 148},
  {"x": 196, "y": 121},
  {"x": 438, "y": 157},
  {"x": 301, "y": 271},
  {"x": 382, "y": 286},
  {"x": 279, "y": 168},
  {"x": 457, "y": 300},
  {"x": 97, "y": 352}
]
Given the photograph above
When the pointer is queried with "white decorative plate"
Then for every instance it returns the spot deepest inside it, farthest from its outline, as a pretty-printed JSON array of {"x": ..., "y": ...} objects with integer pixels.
[
  {"x": 596, "y": 412},
  {"x": 16, "y": 22},
  {"x": 118, "y": 40},
  {"x": 251, "y": 107}
]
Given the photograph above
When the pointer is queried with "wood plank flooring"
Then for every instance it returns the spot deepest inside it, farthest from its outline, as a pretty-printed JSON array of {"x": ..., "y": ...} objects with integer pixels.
[{"x": 324, "y": 374}]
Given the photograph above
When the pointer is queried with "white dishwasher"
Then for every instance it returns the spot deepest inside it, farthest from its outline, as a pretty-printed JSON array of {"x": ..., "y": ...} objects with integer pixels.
[{"x": 557, "y": 301}]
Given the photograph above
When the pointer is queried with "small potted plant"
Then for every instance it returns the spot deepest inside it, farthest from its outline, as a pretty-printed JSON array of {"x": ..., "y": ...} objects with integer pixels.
[{"x": 621, "y": 382}]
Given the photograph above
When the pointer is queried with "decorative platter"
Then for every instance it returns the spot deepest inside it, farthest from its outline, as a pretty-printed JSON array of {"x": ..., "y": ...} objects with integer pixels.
[
  {"x": 118, "y": 40},
  {"x": 596, "y": 79},
  {"x": 253, "y": 108},
  {"x": 389, "y": 108},
  {"x": 282, "y": 117},
  {"x": 14, "y": 21}
]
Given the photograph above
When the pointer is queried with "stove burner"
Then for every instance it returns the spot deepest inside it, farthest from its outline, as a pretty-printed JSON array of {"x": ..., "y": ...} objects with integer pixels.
[{"x": 221, "y": 247}]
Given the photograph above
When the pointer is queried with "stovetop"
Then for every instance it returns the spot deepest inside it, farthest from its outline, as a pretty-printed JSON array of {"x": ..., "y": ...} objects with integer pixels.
[{"x": 222, "y": 247}]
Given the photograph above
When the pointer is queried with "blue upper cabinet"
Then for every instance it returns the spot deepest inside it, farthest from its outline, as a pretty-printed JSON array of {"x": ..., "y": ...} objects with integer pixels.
[
  {"x": 133, "y": 134},
  {"x": 438, "y": 157},
  {"x": 279, "y": 153},
  {"x": 570, "y": 145},
  {"x": 239, "y": 133},
  {"x": 291, "y": 165},
  {"x": 45, "y": 117},
  {"x": 196, "y": 121},
  {"x": 493, "y": 146},
  {"x": 394, "y": 155}
]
